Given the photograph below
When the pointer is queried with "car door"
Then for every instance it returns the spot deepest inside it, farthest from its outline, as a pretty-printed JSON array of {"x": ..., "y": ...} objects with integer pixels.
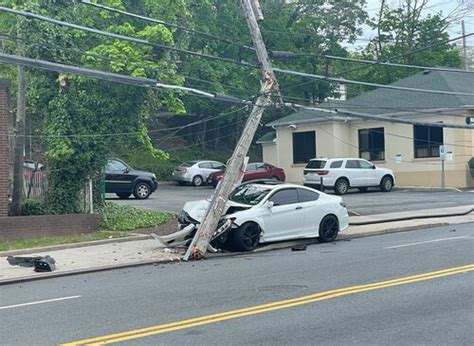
[
  {"x": 312, "y": 212},
  {"x": 117, "y": 177},
  {"x": 255, "y": 171},
  {"x": 355, "y": 174},
  {"x": 370, "y": 174},
  {"x": 286, "y": 218},
  {"x": 205, "y": 168}
]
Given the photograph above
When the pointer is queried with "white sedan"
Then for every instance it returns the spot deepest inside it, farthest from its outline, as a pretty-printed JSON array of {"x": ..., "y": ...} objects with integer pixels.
[{"x": 263, "y": 213}]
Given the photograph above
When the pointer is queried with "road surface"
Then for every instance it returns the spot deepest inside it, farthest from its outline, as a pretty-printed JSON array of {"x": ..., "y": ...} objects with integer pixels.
[{"x": 345, "y": 294}]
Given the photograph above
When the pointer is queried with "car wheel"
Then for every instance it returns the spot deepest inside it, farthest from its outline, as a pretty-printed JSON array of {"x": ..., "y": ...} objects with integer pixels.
[
  {"x": 142, "y": 190},
  {"x": 328, "y": 229},
  {"x": 123, "y": 195},
  {"x": 362, "y": 189},
  {"x": 197, "y": 180},
  {"x": 182, "y": 183},
  {"x": 341, "y": 187},
  {"x": 245, "y": 238},
  {"x": 275, "y": 178},
  {"x": 386, "y": 184}
]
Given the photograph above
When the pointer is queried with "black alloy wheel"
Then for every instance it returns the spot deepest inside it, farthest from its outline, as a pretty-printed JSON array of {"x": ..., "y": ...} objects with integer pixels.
[
  {"x": 246, "y": 237},
  {"x": 328, "y": 229}
]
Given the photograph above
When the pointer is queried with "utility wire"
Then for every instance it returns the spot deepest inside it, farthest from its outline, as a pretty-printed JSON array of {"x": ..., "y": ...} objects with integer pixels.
[
  {"x": 432, "y": 45},
  {"x": 375, "y": 62},
  {"x": 384, "y": 118},
  {"x": 349, "y": 81},
  {"x": 168, "y": 24},
  {"x": 122, "y": 37}
]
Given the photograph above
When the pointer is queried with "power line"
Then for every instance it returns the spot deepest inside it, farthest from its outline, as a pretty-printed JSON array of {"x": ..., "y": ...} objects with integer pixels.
[
  {"x": 349, "y": 81},
  {"x": 384, "y": 118},
  {"x": 113, "y": 77},
  {"x": 375, "y": 62},
  {"x": 429, "y": 46},
  {"x": 122, "y": 37},
  {"x": 162, "y": 22}
]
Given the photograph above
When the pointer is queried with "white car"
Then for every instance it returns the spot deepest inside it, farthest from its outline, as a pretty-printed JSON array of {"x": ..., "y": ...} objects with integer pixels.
[
  {"x": 262, "y": 213},
  {"x": 196, "y": 172},
  {"x": 340, "y": 174}
]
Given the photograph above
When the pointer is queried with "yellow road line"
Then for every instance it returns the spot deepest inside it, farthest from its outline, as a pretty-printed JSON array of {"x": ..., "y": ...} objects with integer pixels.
[{"x": 282, "y": 304}]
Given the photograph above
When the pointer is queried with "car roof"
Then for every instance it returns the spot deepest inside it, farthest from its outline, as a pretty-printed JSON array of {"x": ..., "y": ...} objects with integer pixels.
[{"x": 336, "y": 158}]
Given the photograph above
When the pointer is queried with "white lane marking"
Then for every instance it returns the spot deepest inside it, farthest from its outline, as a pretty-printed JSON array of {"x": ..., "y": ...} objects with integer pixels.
[
  {"x": 425, "y": 242},
  {"x": 38, "y": 302}
]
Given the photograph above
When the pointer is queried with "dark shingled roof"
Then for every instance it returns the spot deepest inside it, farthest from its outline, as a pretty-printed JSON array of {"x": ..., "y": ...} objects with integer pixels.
[
  {"x": 268, "y": 137},
  {"x": 388, "y": 101}
]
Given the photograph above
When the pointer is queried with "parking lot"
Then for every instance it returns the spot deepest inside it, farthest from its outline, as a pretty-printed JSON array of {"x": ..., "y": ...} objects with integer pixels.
[{"x": 170, "y": 197}]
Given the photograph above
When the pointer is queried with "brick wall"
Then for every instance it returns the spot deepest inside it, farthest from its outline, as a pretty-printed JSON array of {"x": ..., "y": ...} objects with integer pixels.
[
  {"x": 4, "y": 115},
  {"x": 34, "y": 227}
]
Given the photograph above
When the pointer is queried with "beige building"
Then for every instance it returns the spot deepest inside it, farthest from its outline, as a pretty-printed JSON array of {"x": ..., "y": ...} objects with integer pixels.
[{"x": 411, "y": 151}]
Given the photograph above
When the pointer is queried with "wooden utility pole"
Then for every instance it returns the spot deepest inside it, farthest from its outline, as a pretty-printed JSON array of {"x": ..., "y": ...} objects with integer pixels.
[
  {"x": 19, "y": 142},
  {"x": 198, "y": 247},
  {"x": 464, "y": 46}
]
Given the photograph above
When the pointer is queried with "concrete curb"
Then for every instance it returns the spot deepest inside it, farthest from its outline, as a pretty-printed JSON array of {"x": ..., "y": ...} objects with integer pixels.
[
  {"x": 426, "y": 189},
  {"x": 426, "y": 216},
  {"x": 81, "y": 271},
  {"x": 267, "y": 248}
]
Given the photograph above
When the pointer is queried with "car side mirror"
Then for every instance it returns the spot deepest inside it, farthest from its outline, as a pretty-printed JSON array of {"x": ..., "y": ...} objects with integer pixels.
[
  {"x": 126, "y": 170},
  {"x": 269, "y": 204},
  {"x": 374, "y": 167}
]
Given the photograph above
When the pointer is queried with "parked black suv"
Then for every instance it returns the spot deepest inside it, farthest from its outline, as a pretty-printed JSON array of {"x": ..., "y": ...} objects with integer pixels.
[{"x": 123, "y": 180}]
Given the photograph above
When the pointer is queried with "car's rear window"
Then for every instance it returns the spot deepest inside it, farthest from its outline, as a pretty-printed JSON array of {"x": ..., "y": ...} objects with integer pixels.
[
  {"x": 316, "y": 164},
  {"x": 188, "y": 164}
]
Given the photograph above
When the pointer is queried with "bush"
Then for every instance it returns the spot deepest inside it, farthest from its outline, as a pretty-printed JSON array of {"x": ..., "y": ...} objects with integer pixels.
[
  {"x": 33, "y": 207},
  {"x": 124, "y": 218}
]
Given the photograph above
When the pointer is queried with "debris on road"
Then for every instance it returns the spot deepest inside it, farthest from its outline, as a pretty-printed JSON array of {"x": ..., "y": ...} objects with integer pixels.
[{"x": 40, "y": 263}]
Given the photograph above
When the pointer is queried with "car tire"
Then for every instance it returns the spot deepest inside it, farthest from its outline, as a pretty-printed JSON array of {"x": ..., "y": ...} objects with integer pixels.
[
  {"x": 123, "y": 195},
  {"x": 181, "y": 183},
  {"x": 328, "y": 229},
  {"x": 386, "y": 184},
  {"x": 142, "y": 190},
  {"x": 342, "y": 186},
  {"x": 362, "y": 189},
  {"x": 245, "y": 238},
  {"x": 197, "y": 180}
]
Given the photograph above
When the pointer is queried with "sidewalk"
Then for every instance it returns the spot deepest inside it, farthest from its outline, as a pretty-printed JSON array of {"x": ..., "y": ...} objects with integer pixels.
[{"x": 140, "y": 250}]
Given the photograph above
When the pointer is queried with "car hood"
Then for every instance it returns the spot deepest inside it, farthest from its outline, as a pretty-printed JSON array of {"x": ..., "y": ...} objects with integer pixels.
[{"x": 197, "y": 209}]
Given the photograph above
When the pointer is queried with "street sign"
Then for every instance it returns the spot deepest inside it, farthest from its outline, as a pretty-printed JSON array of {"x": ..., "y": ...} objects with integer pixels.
[
  {"x": 442, "y": 152},
  {"x": 449, "y": 156}
]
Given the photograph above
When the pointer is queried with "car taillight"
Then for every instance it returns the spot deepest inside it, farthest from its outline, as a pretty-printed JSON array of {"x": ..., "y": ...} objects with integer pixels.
[
  {"x": 305, "y": 172},
  {"x": 182, "y": 170},
  {"x": 322, "y": 172}
]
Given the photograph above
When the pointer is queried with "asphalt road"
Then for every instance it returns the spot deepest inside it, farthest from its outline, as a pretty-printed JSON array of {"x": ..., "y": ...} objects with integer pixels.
[
  {"x": 435, "y": 309},
  {"x": 170, "y": 197}
]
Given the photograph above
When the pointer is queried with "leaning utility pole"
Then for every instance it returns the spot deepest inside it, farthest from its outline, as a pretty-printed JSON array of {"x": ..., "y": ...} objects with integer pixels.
[{"x": 198, "y": 247}]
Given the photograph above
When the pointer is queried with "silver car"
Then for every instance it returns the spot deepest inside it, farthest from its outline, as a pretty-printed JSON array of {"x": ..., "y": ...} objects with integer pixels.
[{"x": 196, "y": 172}]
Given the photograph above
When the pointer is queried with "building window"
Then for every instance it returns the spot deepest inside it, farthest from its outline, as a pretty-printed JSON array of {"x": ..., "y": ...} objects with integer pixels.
[
  {"x": 427, "y": 140},
  {"x": 304, "y": 146},
  {"x": 372, "y": 144}
]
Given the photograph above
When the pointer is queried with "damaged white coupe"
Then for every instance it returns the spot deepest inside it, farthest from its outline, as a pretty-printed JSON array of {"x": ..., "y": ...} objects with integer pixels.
[{"x": 261, "y": 213}]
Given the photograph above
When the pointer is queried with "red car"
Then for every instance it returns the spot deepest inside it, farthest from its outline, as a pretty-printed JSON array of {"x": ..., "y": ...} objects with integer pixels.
[{"x": 255, "y": 170}]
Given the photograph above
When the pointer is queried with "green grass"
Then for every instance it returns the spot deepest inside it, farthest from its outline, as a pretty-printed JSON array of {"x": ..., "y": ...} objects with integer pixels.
[
  {"x": 51, "y": 241},
  {"x": 124, "y": 218}
]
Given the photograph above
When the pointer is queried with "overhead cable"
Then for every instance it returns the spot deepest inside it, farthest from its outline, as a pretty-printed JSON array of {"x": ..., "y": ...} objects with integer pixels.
[
  {"x": 113, "y": 77},
  {"x": 168, "y": 24},
  {"x": 384, "y": 63},
  {"x": 349, "y": 81},
  {"x": 122, "y": 37},
  {"x": 383, "y": 118}
]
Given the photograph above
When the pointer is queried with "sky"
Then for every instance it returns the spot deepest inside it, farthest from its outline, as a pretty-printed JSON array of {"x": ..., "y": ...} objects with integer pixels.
[{"x": 433, "y": 7}]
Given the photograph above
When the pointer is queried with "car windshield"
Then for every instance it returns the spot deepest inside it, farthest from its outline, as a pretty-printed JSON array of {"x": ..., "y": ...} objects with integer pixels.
[
  {"x": 187, "y": 164},
  {"x": 316, "y": 164},
  {"x": 249, "y": 194}
]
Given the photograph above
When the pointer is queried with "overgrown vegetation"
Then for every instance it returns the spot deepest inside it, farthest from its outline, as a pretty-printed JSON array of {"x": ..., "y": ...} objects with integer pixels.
[{"x": 124, "y": 218}]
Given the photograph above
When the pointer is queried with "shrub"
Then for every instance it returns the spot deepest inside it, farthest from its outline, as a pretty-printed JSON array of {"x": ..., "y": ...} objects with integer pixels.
[
  {"x": 33, "y": 207},
  {"x": 124, "y": 218}
]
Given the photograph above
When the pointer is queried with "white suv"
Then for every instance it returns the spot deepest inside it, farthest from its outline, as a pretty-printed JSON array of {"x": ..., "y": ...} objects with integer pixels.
[{"x": 341, "y": 174}]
